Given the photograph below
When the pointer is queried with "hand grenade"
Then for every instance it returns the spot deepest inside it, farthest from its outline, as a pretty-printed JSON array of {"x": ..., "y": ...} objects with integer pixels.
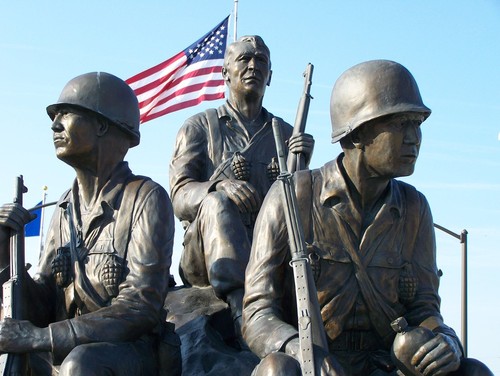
[
  {"x": 112, "y": 273},
  {"x": 273, "y": 170},
  {"x": 240, "y": 166},
  {"x": 408, "y": 284},
  {"x": 61, "y": 267}
]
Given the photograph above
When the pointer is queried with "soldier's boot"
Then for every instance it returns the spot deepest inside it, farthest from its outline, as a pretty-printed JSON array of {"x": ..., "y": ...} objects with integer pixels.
[{"x": 235, "y": 301}]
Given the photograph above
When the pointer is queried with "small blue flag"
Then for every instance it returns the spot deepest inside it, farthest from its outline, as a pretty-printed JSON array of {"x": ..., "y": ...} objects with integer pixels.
[{"x": 33, "y": 227}]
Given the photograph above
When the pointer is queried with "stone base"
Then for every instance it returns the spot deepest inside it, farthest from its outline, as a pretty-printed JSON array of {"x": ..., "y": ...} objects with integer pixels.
[{"x": 208, "y": 340}]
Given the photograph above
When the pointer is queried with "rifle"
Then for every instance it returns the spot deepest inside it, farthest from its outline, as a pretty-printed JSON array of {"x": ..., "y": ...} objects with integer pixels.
[
  {"x": 310, "y": 324},
  {"x": 297, "y": 161},
  {"x": 15, "y": 364}
]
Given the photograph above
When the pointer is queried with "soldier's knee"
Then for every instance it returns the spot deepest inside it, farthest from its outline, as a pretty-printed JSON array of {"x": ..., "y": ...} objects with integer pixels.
[
  {"x": 216, "y": 202},
  {"x": 78, "y": 362},
  {"x": 277, "y": 364},
  {"x": 472, "y": 367}
]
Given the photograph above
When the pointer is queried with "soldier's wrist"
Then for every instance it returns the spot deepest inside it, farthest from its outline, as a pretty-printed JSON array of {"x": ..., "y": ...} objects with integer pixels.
[
  {"x": 42, "y": 340},
  {"x": 292, "y": 347},
  {"x": 217, "y": 185}
]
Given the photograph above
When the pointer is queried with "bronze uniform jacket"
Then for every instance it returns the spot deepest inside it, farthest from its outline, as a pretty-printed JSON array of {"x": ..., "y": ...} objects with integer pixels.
[
  {"x": 385, "y": 249},
  {"x": 200, "y": 151},
  {"x": 135, "y": 308}
]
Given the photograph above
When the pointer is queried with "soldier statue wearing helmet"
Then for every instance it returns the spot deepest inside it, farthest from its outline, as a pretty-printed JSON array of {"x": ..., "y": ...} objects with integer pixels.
[
  {"x": 96, "y": 302},
  {"x": 103, "y": 94},
  {"x": 371, "y": 240},
  {"x": 371, "y": 90}
]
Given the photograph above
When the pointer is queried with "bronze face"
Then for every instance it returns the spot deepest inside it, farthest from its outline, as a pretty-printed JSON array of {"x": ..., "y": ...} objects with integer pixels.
[
  {"x": 248, "y": 69},
  {"x": 391, "y": 145},
  {"x": 75, "y": 135}
]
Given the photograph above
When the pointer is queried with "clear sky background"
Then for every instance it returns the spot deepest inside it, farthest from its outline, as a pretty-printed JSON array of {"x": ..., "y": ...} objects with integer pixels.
[{"x": 451, "y": 47}]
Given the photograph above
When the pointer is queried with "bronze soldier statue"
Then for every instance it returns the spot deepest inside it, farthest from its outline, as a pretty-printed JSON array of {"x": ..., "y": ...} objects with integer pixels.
[
  {"x": 370, "y": 239},
  {"x": 95, "y": 305},
  {"x": 221, "y": 169}
]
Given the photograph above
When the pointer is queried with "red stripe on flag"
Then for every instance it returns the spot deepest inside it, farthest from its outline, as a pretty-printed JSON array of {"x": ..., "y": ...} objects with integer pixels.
[
  {"x": 183, "y": 105},
  {"x": 154, "y": 70},
  {"x": 191, "y": 89}
]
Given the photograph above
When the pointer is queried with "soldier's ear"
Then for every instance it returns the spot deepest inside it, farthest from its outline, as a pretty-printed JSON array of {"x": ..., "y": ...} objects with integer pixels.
[
  {"x": 269, "y": 79},
  {"x": 225, "y": 74},
  {"x": 102, "y": 127},
  {"x": 356, "y": 141}
]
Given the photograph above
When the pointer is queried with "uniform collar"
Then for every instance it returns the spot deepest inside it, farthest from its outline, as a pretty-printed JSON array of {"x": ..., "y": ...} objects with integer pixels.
[
  {"x": 335, "y": 191},
  {"x": 108, "y": 194},
  {"x": 226, "y": 111}
]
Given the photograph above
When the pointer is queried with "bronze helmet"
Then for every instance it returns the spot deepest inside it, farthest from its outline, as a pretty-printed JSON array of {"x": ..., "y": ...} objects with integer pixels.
[
  {"x": 106, "y": 95},
  {"x": 370, "y": 90}
]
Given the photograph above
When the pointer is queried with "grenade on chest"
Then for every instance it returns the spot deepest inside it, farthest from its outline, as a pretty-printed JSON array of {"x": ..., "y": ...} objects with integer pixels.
[
  {"x": 61, "y": 267},
  {"x": 240, "y": 167},
  {"x": 112, "y": 273},
  {"x": 273, "y": 170},
  {"x": 408, "y": 285},
  {"x": 408, "y": 340}
]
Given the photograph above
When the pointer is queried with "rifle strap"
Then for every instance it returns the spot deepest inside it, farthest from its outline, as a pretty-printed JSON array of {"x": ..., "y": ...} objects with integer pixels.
[
  {"x": 90, "y": 298},
  {"x": 214, "y": 136},
  {"x": 303, "y": 189},
  {"x": 125, "y": 218},
  {"x": 411, "y": 221}
]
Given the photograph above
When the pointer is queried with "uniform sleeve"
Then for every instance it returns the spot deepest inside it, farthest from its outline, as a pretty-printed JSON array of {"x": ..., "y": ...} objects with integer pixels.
[
  {"x": 137, "y": 309},
  {"x": 188, "y": 169},
  {"x": 265, "y": 299},
  {"x": 425, "y": 308},
  {"x": 427, "y": 301}
]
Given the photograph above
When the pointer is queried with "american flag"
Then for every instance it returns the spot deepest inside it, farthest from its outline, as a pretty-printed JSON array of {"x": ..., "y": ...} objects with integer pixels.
[{"x": 186, "y": 79}]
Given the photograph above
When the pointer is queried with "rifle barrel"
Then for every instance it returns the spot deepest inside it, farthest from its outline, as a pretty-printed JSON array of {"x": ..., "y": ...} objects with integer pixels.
[{"x": 298, "y": 160}]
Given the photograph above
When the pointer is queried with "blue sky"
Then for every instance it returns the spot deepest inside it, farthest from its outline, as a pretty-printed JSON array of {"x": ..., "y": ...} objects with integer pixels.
[{"x": 451, "y": 47}]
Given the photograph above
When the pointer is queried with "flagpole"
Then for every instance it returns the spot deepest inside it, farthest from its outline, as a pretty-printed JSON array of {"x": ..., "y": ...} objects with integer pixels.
[
  {"x": 235, "y": 33},
  {"x": 44, "y": 198},
  {"x": 463, "y": 240}
]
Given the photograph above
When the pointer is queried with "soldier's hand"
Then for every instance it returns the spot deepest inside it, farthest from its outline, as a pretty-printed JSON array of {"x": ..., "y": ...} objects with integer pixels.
[
  {"x": 14, "y": 217},
  {"x": 302, "y": 143},
  {"x": 438, "y": 356},
  {"x": 242, "y": 193},
  {"x": 20, "y": 336},
  {"x": 325, "y": 363}
]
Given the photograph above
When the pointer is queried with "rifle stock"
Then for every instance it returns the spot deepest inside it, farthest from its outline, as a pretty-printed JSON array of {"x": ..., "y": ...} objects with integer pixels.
[
  {"x": 12, "y": 305},
  {"x": 297, "y": 161},
  {"x": 310, "y": 323}
]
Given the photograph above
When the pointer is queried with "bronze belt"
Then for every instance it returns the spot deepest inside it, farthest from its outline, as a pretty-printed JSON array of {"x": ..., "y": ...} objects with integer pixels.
[{"x": 356, "y": 340}]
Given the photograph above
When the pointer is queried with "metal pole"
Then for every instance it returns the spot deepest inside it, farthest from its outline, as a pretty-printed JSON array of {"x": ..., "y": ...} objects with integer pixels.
[
  {"x": 235, "y": 24},
  {"x": 42, "y": 218},
  {"x": 463, "y": 240}
]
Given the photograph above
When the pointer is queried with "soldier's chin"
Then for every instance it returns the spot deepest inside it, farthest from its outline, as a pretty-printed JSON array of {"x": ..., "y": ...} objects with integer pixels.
[
  {"x": 407, "y": 171},
  {"x": 64, "y": 157}
]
